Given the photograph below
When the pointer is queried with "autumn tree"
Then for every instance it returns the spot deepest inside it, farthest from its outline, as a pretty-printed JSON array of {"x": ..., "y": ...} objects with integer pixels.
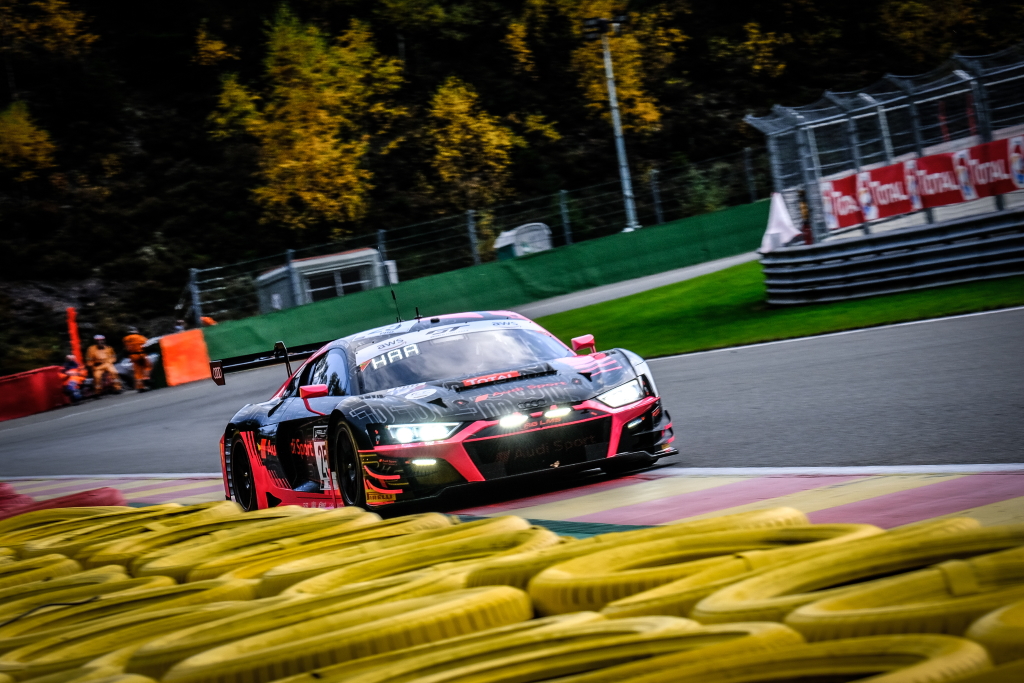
[
  {"x": 25, "y": 148},
  {"x": 472, "y": 149},
  {"x": 931, "y": 31},
  {"x": 326, "y": 105},
  {"x": 46, "y": 25},
  {"x": 640, "y": 55}
]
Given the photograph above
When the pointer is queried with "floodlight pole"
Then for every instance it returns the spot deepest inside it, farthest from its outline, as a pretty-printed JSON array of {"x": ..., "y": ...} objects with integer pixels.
[{"x": 620, "y": 145}]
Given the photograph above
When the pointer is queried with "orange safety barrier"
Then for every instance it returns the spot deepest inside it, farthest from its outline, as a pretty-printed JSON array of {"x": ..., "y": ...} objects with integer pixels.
[
  {"x": 31, "y": 392},
  {"x": 184, "y": 357}
]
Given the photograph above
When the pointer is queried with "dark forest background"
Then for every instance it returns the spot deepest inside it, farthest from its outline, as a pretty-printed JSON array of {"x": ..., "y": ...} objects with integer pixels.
[{"x": 138, "y": 140}]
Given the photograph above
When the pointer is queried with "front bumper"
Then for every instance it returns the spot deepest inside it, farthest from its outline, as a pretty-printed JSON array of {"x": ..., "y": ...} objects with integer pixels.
[{"x": 482, "y": 451}]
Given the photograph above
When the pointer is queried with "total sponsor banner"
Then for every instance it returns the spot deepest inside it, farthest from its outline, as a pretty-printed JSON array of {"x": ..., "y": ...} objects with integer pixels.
[{"x": 986, "y": 170}]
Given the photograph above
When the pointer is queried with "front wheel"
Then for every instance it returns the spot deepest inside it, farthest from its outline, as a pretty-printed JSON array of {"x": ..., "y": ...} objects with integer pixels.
[
  {"x": 345, "y": 462},
  {"x": 243, "y": 488}
]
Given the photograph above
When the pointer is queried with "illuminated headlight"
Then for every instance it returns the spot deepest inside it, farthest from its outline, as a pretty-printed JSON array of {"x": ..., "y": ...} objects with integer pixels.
[
  {"x": 512, "y": 421},
  {"x": 424, "y": 462},
  {"x": 429, "y": 431},
  {"x": 630, "y": 392},
  {"x": 557, "y": 412}
]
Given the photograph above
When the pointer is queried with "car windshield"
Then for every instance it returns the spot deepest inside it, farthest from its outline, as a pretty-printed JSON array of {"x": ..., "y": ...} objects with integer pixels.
[{"x": 458, "y": 355}]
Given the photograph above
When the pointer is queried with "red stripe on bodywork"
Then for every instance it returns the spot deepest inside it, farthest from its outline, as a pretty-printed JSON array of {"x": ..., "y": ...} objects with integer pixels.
[
  {"x": 943, "y": 498},
  {"x": 709, "y": 500}
]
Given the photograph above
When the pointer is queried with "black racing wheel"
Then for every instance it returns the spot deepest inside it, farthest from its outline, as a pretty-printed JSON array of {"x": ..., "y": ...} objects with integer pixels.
[
  {"x": 346, "y": 464},
  {"x": 242, "y": 486}
]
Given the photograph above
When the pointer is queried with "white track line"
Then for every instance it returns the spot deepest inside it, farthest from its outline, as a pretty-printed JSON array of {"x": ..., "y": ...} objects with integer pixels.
[
  {"x": 827, "y": 471},
  {"x": 837, "y": 334},
  {"x": 136, "y": 475}
]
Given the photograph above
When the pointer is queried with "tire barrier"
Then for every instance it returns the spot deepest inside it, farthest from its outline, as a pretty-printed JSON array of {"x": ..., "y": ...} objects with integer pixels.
[
  {"x": 1001, "y": 632},
  {"x": 302, "y": 547},
  {"x": 455, "y": 551},
  {"x": 592, "y": 581},
  {"x": 517, "y": 571},
  {"x": 944, "y": 598},
  {"x": 38, "y": 624},
  {"x": 84, "y": 644},
  {"x": 106, "y": 496},
  {"x": 36, "y": 569},
  {"x": 678, "y": 597},
  {"x": 190, "y": 594},
  {"x": 277, "y": 579},
  {"x": 353, "y": 634},
  {"x": 557, "y": 651},
  {"x": 776, "y": 593},
  {"x": 882, "y": 659}
]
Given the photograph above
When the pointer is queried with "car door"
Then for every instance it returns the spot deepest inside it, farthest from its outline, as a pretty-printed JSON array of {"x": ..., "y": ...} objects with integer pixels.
[{"x": 302, "y": 434}]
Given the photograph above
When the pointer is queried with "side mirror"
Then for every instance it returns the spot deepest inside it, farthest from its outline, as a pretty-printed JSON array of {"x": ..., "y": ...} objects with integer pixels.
[
  {"x": 313, "y": 391},
  {"x": 584, "y": 342}
]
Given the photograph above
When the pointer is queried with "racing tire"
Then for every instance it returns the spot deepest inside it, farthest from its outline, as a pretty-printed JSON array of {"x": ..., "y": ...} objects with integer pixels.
[
  {"x": 1001, "y": 632},
  {"x": 892, "y": 659},
  {"x": 243, "y": 486},
  {"x": 773, "y": 595},
  {"x": 345, "y": 463},
  {"x": 353, "y": 634},
  {"x": 944, "y": 598}
]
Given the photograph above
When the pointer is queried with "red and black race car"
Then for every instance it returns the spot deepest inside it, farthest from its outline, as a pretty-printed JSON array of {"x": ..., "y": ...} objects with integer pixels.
[{"x": 407, "y": 411}]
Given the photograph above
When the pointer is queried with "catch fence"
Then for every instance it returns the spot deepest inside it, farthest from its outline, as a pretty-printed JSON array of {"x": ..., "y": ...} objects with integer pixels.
[
  {"x": 662, "y": 195},
  {"x": 963, "y": 104}
]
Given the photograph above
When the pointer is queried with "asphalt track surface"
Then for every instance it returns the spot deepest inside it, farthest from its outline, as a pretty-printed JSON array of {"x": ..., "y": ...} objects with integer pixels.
[{"x": 948, "y": 391}]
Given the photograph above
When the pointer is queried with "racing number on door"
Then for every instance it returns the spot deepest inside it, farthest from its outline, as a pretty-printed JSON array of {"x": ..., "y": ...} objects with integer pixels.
[{"x": 328, "y": 480}]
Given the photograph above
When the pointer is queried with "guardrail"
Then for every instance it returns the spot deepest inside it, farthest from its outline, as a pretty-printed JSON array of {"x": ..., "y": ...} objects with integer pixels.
[{"x": 974, "y": 248}]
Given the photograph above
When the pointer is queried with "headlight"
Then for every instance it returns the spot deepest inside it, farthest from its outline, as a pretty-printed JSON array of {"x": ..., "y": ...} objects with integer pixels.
[
  {"x": 629, "y": 392},
  {"x": 428, "y": 431}
]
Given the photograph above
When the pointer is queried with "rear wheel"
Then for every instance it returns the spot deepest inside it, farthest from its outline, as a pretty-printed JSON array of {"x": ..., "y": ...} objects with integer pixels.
[
  {"x": 242, "y": 486},
  {"x": 346, "y": 464}
]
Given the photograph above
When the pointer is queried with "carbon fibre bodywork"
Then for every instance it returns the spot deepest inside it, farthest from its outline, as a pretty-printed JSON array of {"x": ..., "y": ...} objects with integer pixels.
[{"x": 290, "y": 450}]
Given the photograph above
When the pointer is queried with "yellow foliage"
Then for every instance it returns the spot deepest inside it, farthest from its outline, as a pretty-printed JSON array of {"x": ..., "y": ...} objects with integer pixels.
[
  {"x": 536, "y": 123},
  {"x": 210, "y": 50},
  {"x": 472, "y": 151},
  {"x": 24, "y": 147},
  {"x": 929, "y": 31},
  {"x": 47, "y": 24},
  {"x": 758, "y": 51},
  {"x": 325, "y": 106},
  {"x": 639, "y": 52},
  {"x": 515, "y": 40}
]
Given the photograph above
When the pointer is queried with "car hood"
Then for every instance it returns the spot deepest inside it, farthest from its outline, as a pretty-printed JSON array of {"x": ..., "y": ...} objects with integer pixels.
[{"x": 535, "y": 387}]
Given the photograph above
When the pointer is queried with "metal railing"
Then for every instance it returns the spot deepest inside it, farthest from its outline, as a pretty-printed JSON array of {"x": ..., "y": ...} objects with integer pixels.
[
  {"x": 444, "y": 244},
  {"x": 966, "y": 101},
  {"x": 962, "y": 250}
]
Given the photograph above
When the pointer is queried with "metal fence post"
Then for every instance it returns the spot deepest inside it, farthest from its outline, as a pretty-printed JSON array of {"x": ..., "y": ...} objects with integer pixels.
[
  {"x": 915, "y": 126},
  {"x": 748, "y": 167},
  {"x": 197, "y": 304},
  {"x": 381, "y": 244},
  {"x": 773, "y": 160},
  {"x": 883, "y": 125},
  {"x": 853, "y": 140},
  {"x": 471, "y": 229},
  {"x": 293, "y": 278},
  {"x": 563, "y": 205},
  {"x": 656, "y": 196},
  {"x": 979, "y": 94}
]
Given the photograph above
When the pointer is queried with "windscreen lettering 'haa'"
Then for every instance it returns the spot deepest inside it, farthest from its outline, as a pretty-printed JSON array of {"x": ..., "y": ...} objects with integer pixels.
[{"x": 402, "y": 343}]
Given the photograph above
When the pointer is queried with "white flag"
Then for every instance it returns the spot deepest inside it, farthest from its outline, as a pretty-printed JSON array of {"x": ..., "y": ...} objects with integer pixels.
[{"x": 780, "y": 226}]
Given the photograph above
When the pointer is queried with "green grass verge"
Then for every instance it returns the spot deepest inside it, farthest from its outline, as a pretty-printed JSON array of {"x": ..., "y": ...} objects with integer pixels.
[{"x": 728, "y": 308}]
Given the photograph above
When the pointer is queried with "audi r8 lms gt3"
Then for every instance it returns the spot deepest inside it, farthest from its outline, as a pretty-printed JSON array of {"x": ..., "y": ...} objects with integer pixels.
[{"x": 407, "y": 411}]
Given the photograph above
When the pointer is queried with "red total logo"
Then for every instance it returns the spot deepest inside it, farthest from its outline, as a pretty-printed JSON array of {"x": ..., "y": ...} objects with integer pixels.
[{"x": 486, "y": 379}]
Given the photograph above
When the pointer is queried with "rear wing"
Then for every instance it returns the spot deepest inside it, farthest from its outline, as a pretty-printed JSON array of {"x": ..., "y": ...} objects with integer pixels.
[{"x": 280, "y": 354}]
